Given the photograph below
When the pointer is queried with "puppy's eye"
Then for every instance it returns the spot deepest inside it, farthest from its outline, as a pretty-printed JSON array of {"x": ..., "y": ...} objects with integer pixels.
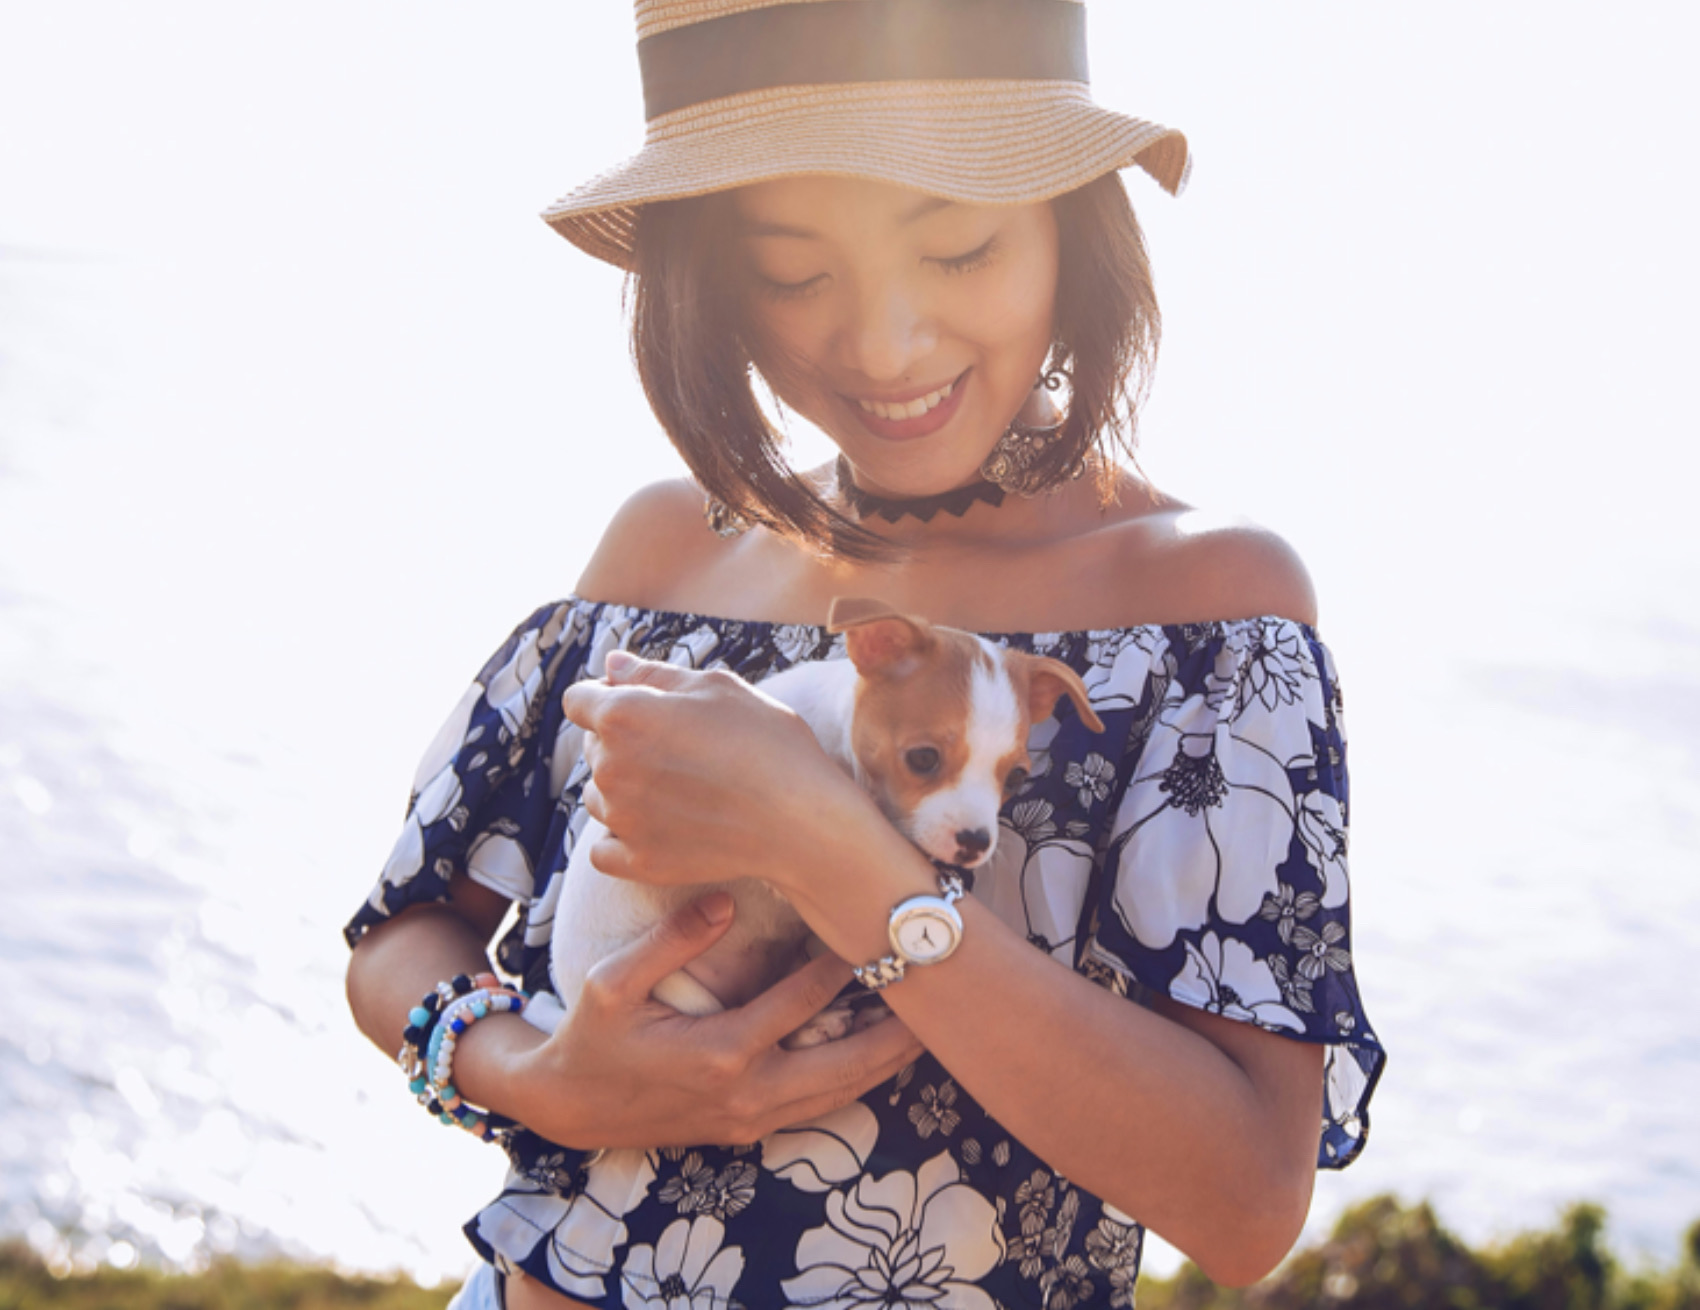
[
  {"x": 923, "y": 760},
  {"x": 1016, "y": 780}
]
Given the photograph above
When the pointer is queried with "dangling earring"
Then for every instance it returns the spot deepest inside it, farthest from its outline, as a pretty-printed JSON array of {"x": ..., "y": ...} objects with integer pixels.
[
  {"x": 1017, "y": 463},
  {"x": 724, "y": 521}
]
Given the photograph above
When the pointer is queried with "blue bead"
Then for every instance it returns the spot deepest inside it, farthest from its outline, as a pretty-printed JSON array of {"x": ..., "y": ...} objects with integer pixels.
[{"x": 419, "y": 1016}]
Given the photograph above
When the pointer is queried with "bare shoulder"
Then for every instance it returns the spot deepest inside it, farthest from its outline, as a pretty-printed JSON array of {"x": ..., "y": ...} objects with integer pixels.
[
  {"x": 1214, "y": 566},
  {"x": 652, "y": 546}
]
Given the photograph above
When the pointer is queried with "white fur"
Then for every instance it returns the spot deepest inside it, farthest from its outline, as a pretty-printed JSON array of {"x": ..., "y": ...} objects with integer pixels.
[
  {"x": 994, "y": 719},
  {"x": 597, "y": 915}
]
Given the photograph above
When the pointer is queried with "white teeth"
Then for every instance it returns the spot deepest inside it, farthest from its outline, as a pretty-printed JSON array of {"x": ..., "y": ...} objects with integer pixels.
[{"x": 914, "y": 409}]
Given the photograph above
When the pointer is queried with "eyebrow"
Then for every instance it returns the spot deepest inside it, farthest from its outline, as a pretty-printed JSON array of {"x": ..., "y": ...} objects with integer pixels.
[{"x": 919, "y": 210}]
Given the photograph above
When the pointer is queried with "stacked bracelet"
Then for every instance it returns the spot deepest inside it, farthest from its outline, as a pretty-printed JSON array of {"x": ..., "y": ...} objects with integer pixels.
[{"x": 427, "y": 1053}]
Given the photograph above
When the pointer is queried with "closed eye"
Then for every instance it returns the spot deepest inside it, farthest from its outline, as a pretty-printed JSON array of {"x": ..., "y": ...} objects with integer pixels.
[
  {"x": 775, "y": 290},
  {"x": 977, "y": 258}
]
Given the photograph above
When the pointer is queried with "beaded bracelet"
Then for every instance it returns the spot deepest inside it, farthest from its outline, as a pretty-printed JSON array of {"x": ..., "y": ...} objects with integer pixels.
[
  {"x": 428, "y": 1044},
  {"x": 456, "y": 1018}
]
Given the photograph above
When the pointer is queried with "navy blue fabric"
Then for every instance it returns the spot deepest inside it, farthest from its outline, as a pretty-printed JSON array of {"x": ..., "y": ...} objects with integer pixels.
[{"x": 1195, "y": 850}]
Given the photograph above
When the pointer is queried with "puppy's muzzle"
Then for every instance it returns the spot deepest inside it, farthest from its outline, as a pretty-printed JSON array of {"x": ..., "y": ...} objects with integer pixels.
[{"x": 972, "y": 845}]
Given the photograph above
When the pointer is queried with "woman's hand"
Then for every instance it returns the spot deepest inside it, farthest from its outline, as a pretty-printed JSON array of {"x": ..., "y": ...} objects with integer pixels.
[
  {"x": 700, "y": 778},
  {"x": 624, "y": 1070}
]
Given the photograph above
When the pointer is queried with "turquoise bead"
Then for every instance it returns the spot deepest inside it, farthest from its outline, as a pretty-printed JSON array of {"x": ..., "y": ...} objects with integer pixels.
[{"x": 419, "y": 1016}]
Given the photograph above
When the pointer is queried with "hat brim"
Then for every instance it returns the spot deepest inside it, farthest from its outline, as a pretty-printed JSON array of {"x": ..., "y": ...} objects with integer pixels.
[{"x": 978, "y": 142}]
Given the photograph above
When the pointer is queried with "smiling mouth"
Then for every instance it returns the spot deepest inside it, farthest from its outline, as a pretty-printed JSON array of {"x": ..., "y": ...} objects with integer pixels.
[{"x": 893, "y": 413}]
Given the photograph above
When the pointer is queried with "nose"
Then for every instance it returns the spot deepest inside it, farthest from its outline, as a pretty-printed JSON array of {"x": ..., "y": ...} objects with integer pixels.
[
  {"x": 890, "y": 331},
  {"x": 971, "y": 844}
]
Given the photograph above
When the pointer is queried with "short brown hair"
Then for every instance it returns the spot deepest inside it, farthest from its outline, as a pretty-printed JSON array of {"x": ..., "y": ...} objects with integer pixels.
[{"x": 692, "y": 351}]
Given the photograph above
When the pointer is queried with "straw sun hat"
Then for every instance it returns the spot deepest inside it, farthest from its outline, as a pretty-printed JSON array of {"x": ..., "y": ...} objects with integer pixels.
[{"x": 980, "y": 101}]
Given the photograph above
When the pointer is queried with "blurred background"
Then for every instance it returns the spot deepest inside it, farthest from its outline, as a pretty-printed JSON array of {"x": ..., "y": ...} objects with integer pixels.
[{"x": 302, "y": 408}]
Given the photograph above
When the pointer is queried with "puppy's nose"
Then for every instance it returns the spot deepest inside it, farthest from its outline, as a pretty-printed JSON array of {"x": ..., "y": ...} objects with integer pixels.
[{"x": 971, "y": 844}]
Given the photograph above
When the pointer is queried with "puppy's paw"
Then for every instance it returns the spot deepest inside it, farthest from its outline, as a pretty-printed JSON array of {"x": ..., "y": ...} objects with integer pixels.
[{"x": 836, "y": 1021}]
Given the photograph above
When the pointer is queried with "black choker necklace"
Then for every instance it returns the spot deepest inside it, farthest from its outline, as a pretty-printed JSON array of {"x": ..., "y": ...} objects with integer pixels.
[{"x": 957, "y": 502}]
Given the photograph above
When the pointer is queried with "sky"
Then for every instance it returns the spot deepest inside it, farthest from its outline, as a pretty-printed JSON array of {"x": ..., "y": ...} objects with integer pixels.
[{"x": 314, "y": 408}]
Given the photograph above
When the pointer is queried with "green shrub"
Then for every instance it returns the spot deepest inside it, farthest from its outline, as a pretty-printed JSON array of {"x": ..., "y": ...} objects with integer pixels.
[
  {"x": 1384, "y": 1255},
  {"x": 26, "y": 1284}
]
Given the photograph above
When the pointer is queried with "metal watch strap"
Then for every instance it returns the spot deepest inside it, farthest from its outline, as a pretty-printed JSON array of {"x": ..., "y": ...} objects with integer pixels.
[{"x": 881, "y": 973}]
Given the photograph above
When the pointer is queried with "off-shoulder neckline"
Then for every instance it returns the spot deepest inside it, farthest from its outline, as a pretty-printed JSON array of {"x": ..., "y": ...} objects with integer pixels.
[{"x": 1059, "y": 634}]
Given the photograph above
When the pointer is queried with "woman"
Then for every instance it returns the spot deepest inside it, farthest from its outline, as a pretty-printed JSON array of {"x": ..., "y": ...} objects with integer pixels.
[{"x": 905, "y": 215}]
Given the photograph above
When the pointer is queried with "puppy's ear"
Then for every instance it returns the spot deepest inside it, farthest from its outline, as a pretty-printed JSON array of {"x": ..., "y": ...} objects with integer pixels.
[
  {"x": 1048, "y": 681},
  {"x": 878, "y": 639}
]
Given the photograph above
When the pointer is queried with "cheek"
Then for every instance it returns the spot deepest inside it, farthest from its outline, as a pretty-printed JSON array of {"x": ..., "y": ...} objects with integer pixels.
[{"x": 787, "y": 342}]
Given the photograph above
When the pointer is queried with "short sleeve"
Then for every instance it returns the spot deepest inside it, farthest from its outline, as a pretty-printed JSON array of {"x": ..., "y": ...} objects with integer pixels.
[
  {"x": 1225, "y": 886},
  {"x": 482, "y": 799}
]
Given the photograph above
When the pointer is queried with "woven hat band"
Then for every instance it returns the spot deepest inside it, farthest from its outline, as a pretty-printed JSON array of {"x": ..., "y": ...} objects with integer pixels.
[{"x": 834, "y": 42}]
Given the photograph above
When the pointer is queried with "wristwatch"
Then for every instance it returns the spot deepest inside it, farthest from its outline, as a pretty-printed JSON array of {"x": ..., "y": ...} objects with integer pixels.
[{"x": 923, "y": 930}]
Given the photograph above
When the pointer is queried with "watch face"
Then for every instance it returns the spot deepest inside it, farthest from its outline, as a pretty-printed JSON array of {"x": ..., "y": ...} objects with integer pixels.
[{"x": 925, "y": 931}]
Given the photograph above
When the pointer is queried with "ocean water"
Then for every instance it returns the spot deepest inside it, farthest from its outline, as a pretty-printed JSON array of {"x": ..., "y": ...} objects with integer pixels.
[{"x": 288, "y": 448}]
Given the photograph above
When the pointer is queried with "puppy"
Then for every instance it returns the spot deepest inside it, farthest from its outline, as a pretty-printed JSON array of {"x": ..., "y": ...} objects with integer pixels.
[{"x": 931, "y": 721}]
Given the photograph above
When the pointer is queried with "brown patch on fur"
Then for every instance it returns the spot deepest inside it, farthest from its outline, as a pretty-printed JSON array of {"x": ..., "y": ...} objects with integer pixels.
[{"x": 914, "y": 693}]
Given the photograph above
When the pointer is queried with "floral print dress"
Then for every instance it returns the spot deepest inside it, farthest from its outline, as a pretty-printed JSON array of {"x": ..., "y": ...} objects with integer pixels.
[{"x": 1195, "y": 849}]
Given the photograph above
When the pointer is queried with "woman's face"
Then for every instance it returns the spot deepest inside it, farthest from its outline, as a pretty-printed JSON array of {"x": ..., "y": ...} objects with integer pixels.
[{"x": 909, "y": 329}]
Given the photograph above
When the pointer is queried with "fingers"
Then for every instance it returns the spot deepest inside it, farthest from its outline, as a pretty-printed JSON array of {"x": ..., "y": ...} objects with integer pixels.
[
  {"x": 632, "y": 972},
  {"x": 842, "y": 1071},
  {"x": 586, "y": 703},
  {"x": 794, "y": 1000},
  {"x": 627, "y": 670}
]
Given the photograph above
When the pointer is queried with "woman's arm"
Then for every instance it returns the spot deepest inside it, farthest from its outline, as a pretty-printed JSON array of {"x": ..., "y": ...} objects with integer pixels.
[
  {"x": 624, "y": 1070},
  {"x": 1202, "y": 1128}
]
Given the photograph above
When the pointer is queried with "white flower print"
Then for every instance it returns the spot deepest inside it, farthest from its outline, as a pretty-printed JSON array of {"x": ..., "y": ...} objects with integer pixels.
[
  {"x": 1286, "y": 910},
  {"x": 818, "y": 1155},
  {"x": 1295, "y": 987},
  {"x": 920, "y": 1239},
  {"x": 580, "y": 1228},
  {"x": 436, "y": 792},
  {"x": 1263, "y": 660},
  {"x": 1092, "y": 777},
  {"x": 931, "y": 1113},
  {"x": 1122, "y": 661},
  {"x": 497, "y": 861},
  {"x": 1115, "y": 1248},
  {"x": 614, "y": 633},
  {"x": 1209, "y": 815},
  {"x": 697, "y": 1189},
  {"x": 795, "y": 641},
  {"x": 517, "y": 682},
  {"x": 1036, "y": 881},
  {"x": 1322, "y": 951},
  {"x": 1066, "y": 1284},
  {"x": 1224, "y": 977},
  {"x": 1039, "y": 747},
  {"x": 692, "y": 651},
  {"x": 1031, "y": 821},
  {"x": 1324, "y": 833},
  {"x": 689, "y": 1268},
  {"x": 1044, "y": 1239},
  {"x": 567, "y": 764}
]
